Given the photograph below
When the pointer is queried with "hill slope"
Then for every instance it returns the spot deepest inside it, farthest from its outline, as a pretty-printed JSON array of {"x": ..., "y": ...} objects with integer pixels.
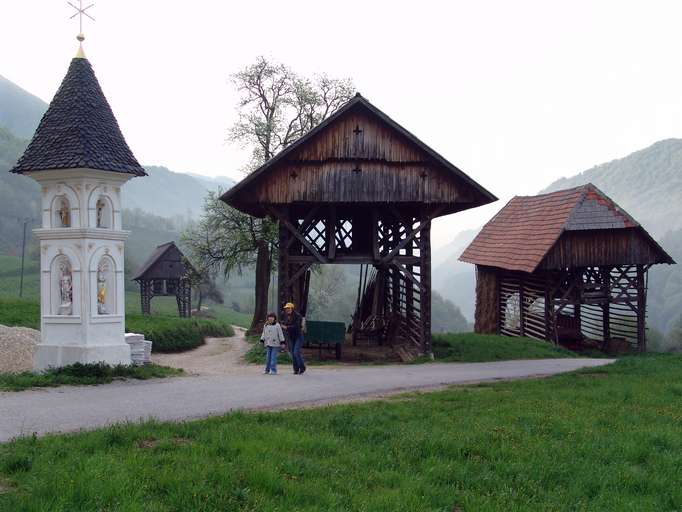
[
  {"x": 20, "y": 111},
  {"x": 169, "y": 194},
  {"x": 647, "y": 183}
]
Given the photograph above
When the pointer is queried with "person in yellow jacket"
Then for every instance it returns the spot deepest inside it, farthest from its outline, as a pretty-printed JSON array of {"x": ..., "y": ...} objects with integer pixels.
[{"x": 292, "y": 323}]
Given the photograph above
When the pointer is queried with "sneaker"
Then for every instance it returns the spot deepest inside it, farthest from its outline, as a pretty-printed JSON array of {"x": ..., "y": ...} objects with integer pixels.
[
  {"x": 266, "y": 372},
  {"x": 296, "y": 371},
  {"x": 273, "y": 373},
  {"x": 301, "y": 372}
]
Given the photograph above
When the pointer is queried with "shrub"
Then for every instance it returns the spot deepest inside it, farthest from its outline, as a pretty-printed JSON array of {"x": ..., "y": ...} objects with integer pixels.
[
  {"x": 82, "y": 374},
  {"x": 175, "y": 334}
]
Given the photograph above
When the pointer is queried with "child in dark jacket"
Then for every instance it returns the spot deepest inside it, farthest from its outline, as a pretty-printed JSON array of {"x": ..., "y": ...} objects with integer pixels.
[{"x": 273, "y": 340}]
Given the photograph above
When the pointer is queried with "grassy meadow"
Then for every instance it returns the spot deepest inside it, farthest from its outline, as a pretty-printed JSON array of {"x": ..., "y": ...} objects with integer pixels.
[
  {"x": 469, "y": 347},
  {"x": 603, "y": 439}
]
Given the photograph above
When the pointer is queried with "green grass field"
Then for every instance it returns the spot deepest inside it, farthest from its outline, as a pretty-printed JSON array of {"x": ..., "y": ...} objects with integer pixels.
[
  {"x": 469, "y": 347},
  {"x": 605, "y": 439}
]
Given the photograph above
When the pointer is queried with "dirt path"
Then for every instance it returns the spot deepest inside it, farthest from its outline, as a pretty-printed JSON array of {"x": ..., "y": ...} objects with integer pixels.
[{"x": 219, "y": 356}]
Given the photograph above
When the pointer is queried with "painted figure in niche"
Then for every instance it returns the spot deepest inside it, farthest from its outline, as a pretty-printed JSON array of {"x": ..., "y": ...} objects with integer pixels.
[
  {"x": 100, "y": 213},
  {"x": 65, "y": 289},
  {"x": 102, "y": 272},
  {"x": 64, "y": 214}
]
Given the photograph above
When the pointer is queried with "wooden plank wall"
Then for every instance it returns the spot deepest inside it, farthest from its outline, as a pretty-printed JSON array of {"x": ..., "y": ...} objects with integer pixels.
[
  {"x": 601, "y": 247},
  {"x": 376, "y": 165}
]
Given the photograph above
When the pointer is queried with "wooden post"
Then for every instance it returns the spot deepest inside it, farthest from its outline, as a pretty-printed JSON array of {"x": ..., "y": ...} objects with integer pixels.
[
  {"x": 522, "y": 313},
  {"x": 283, "y": 294},
  {"x": 425, "y": 279},
  {"x": 606, "y": 308},
  {"x": 641, "y": 309}
]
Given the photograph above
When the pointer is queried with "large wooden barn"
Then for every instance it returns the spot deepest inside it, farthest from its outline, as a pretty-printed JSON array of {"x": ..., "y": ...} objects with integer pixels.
[
  {"x": 361, "y": 189},
  {"x": 568, "y": 266}
]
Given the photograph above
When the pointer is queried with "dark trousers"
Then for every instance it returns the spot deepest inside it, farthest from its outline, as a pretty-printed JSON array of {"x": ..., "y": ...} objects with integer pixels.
[{"x": 296, "y": 354}]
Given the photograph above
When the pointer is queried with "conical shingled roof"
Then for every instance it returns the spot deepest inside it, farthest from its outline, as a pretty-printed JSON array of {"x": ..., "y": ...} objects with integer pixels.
[{"x": 79, "y": 130}]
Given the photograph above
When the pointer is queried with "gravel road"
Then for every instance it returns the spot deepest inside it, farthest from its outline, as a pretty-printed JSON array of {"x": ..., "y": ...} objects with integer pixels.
[{"x": 68, "y": 409}]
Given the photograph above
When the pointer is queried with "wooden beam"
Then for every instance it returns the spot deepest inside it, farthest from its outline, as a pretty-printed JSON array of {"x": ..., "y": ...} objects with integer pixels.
[
  {"x": 306, "y": 223},
  {"x": 304, "y": 268},
  {"x": 409, "y": 275},
  {"x": 425, "y": 222},
  {"x": 375, "y": 234},
  {"x": 301, "y": 238},
  {"x": 331, "y": 232}
]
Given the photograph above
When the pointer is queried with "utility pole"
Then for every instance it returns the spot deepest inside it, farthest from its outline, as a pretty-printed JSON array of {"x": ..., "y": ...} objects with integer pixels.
[{"x": 23, "y": 253}]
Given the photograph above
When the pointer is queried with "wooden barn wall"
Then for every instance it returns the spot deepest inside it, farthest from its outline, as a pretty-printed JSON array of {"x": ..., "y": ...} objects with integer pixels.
[
  {"x": 487, "y": 315},
  {"x": 170, "y": 266},
  {"x": 601, "y": 247},
  {"x": 390, "y": 169}
]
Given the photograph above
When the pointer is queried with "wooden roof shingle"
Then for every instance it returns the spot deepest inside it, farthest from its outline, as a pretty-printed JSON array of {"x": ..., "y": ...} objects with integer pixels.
[{"x": 79, "y": 130}]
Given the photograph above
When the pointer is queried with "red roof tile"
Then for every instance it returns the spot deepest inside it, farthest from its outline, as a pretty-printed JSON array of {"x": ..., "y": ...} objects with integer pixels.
[{"x": 525, "y": 230}]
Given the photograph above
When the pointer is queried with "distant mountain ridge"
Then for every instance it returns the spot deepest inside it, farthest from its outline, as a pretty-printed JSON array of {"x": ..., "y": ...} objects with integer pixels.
[
  {"x": 647, "y": 183},
  {"x": 20, "y": 111}
]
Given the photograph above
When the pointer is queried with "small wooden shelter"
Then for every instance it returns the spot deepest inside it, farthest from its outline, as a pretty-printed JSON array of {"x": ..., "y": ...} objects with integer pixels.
[
  {"x": 361, "y": 189},
  {"x": 165, "y": 273},
  {"x": 567, "y": 266}
]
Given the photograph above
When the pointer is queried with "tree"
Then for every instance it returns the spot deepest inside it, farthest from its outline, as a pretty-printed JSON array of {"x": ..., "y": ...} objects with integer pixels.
[
  {"x": 276, "y": 107},
  {"x": 226, "y": 240},
  {"x": 202, "y": 279}
]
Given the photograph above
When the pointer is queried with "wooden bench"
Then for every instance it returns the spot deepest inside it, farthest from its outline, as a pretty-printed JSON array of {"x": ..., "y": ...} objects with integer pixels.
[{"x": 325, "y": 335}]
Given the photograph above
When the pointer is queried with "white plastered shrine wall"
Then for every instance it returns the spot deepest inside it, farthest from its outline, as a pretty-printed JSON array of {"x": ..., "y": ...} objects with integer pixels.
[{"x": 81, "y": 261}]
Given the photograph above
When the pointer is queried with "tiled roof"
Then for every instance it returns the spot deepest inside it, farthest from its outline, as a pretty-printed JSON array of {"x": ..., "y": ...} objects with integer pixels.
[
  {"x": 79, "y": 130},
  {"x": 525, "y": 230}
]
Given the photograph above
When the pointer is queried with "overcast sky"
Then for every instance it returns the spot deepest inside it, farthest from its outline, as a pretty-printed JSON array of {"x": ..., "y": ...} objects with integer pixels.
[{"x": 515, "y": 93}]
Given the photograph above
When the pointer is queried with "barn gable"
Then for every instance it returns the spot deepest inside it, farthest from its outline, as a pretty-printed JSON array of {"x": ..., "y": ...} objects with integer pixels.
[
  {"x": 358, "y": 155},
  {"x": 580, "y": 226}
]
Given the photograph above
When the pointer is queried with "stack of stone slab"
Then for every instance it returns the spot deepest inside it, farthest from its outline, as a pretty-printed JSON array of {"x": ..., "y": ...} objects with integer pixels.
[{"x": 140, "y": 349}]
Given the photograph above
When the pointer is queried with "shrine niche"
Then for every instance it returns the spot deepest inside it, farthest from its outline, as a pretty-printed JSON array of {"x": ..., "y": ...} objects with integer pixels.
[
  {"x": 61, "y": 212},
  {"x": 61, "y": 274},
  {"x": 106, "y": 286},
  {"x": 103, "y": 213}
]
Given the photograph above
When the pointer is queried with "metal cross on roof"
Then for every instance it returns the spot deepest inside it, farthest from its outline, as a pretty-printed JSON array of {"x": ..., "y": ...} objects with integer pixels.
[{"x": 80, "y": 12}]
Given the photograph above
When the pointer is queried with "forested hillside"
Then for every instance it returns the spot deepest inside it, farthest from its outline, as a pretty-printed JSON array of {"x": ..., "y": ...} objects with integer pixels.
[{"x": 647, "y": 183}]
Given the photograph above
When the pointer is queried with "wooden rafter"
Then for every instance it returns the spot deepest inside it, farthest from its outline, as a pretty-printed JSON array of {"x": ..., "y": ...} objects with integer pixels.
[{"x": 301, "y": 238}]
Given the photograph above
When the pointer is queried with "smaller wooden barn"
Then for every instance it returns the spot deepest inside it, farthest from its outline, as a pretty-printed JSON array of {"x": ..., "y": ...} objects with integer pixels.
[
  {"x": 569, "y": 266},
  {"x": 165, "y": 273}
]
